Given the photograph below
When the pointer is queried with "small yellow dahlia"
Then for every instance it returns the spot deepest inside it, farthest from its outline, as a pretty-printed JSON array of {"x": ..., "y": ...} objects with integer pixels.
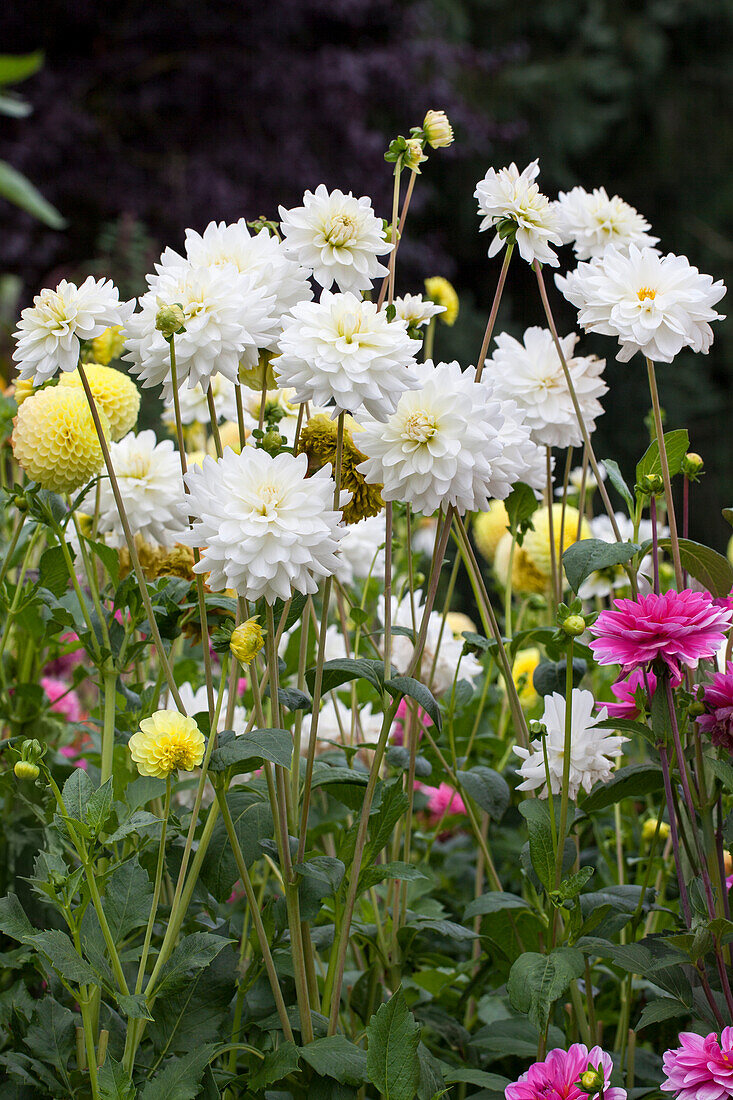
[
  {"x": 54, "y": 439},
  {"x": 457, "y": 622},
  {"x": 537, "y": 542},
  {"x": 525, "y": 663},
  {"x": 114, "y": 393},
  {"x": 489, "y": 528},
  {"x": 159, "y": 561},
  {"x": 108, "y": 346},
  {"x": 229, "y": 436},
  {"x": 166, "y": 742},
  {"x": 437, "y": 129},
  {"x": 440, "y": 291},
  {"x": 526, "y": 577},
  {"x": 247, "y": 640},
  {"x": 318, "y": 439},
  {"x": 649, "y": 828},
  {"x": 21, "y": 390}
]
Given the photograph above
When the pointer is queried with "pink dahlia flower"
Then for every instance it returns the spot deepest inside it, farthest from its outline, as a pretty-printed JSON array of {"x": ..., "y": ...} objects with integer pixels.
[
  {"x": 718, "y": 699},
  {"x": 442, "y": 801},
  {"x": 702, "y": 1068},
  {"x": 63, "y": 699},
  {"x": 397, "y": 734},
  {"x": 557, "y": 1077},
  {"x": 677, "y": 628},
  {"x": 625, "y": 691}
]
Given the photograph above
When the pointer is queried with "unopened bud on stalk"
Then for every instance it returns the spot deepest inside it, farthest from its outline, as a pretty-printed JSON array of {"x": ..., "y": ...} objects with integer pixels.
[
  {"x": 650, "y": 485},
  {"x": 169, "y": 320},
  {"x": 25, "y": 770},
  {"x": 272, "y": 441},
  {"x": 692, "y": 465},
  {"x": 413, "y": 155},
  {"x": 247, "y": 640},
  {"x": 573, "y": 626},
  {"x": 438, "y": 130},
  {"x": 592, "y": 1081},
  {"x": 31, "y": 752}
]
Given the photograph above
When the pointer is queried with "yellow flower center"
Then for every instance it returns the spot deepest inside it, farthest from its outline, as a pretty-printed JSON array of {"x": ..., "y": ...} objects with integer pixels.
[
  {"x": 269, "y": 499},
  {"x": 339, "y": 230},
  {"x": 349, "y": 325},
  {"x": 176, "y": 751},
  {"x": 646, "y": 292},
  {"x": 420, "y": 426},
  {"x": 55, "y": 308},
  {"x": 139, "y": 467}
]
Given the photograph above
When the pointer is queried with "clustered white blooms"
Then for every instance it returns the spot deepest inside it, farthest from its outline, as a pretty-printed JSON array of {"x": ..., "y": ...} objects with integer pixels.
[
  {"x": 530, "y": 373},
  {"x": 343, "y": 350},
  {"x": 50, "y": 332},
  {"x": 591, "y": 221},
  {"x": 592, "y": 749},
  {"x": 443, "y": 654},
  {"x": 337, "y": 237},
  {"x": 149, "y": 477},
  {"x": 443, "y": 445},
  {"x": 265, "y": 529},
  {"x": 416, "y": 310},
  {"x": 194, "y": 405},
  {"x": 653, "y": 304},
  {"x": 362, "y": 550},
  {"x": 340, "y": 724},
  {"x": 575, "y": 480},
  {"x": 511, "y": 195}
]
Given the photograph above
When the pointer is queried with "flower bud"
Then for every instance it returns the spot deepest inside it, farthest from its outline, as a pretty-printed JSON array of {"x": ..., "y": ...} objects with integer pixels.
[
  {"x": 169, "y": 320},
  {"x": 438, "y": 130},
  {"x": 272, "y": 441},
  {"x": 247, "y": 640},
  {"x": 259, "y": 376},
  {"x": 440, "y": 291},
  {"x": 573, "y": 626},
  {"x": 650, "y": 485},
  {"x": 649, "y": 828},
  {"x": 692, "y": 465},
  {"x": 413, "y": 155},
  {"x": 24, "y": 769},
  {"x": 592, "y": 1081},
  {"x": 22, "y": 390}
]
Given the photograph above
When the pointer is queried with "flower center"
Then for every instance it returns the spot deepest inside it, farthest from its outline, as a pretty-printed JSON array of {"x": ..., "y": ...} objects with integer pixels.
[
  {"x": 646, "y": 292},
  {"x": 269, "y": 500},
  {"x": 340, "y": 230},
  {"x": 349, "y": 325},
  {"x": 420, "y": 426},
  {"x": 55, "y": 308},
  {"x": 176, "y": 754},
  {"x": 138, "y": 467}
]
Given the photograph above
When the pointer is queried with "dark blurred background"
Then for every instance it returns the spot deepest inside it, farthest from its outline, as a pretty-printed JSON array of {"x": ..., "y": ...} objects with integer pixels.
[{"x": 148, "y": 118}]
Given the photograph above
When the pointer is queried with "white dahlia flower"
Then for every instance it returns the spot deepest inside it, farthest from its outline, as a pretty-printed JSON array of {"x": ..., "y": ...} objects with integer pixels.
[
  {"x": 259, "y": 255},
  {"x": 338, "y": 724},
  {"x": 197, "y": 702},
  {"x": 194, "y": 404},
  {"x": 263, "y": 527},
  {"x": 416, "y": 310},
  {"x": 592, "y": 750},
  {"x": 653, "y": 304},
  {"x": 337, "y": 237},
  {"x": 50, "y": 332},
  {"x": 590, "y": 221},
  {"x": 513, "y": 196},
  {"x": 530, "y": 373},
  {"x": 521, "y": 459},
  {"x": 442, "y": 444},
  {"x": 575, "y": 480},
  {"x": 345, "y": 351},
  {"x": 149, "y": 476},
  {"x": 442, "y": 649},
  {"x": 361, "y": 550},
  {"x": 227, "y": 318}
]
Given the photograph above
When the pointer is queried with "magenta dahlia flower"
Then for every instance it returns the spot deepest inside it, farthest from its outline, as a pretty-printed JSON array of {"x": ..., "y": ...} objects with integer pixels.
[
  {"x": 625, "y": 692},
  {"x": 718, "y": 700},
  {"x": 443, "y": 800},
  {"x": 702, "y": 1068},
  {"x": 677, "y": 628},
  {"x": 63, "y": 699},
  {"x": 557, "y": 1078}
]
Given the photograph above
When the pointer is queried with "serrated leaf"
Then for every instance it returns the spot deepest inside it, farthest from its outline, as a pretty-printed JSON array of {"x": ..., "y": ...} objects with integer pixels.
[
  {"x": 537, "y": 981},
  {"x": 192, "y": 953},
  {"x": 138, "y": 820},
  {"x": 393, "y": 1036},
  {"x": 276, "y": 1065},
  {"x": 52, "y": 572},
  {"x": 570, "y": 887},
  {"x": 336, "y": 1056},
  {"x": 253, "y": 823},
  {"x": 676, "y": 444},
  {"x": 181, "y": 1077},
  {"x": 63, "y": 956},
  {"x": 77, "y": 791},
  {"x": 51, "y": 1036},
  {"x": 633, "y": 781},
  {"x": 521, "y": 504},
  {"x": 493, "y": 902},
  {"x": 99, "y": 807},
  {"x": 13, "y": 921},
  {"x": 114, "y": 1084},
  {"x": 706, "y": 565},
  {"x": 127, "y": 898},
  {"x": 406, "y": 685},
  {"x": 723, "y": 770},
  {"x": 247, "y": 753},
  {"x": 134, "y": 1006},
  {"x": 406, "y": 872},
  {"x": 487, "y": 788},
  {"x": 343, "y": 670},
  {"x": 536, "y": 813},
  {"x": 589, "y": 555},
  {"x": 663, "y": 1008}
]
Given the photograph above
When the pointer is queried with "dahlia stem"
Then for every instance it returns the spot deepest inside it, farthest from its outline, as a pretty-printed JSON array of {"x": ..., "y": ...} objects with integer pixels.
[
  {"x": 659, "y": 431},
  {"x": 12, "y": 545},
  {"x": 240, "y": 415},
  {"x": 684, "y": 899},
  {"x": 387, "y": 645},
  {"x": 429, "y": 341},
  {"x": 655, "y": 541},
  {"x": 494, "y": 311},
  {"x": 563, "y": 506},
  {"x": 156, "y": 888},
  {"x": 135, "y": 560},
  {"x": 403, "y": 218},
  {"x": 556, "y": 584},
  {"x": 109, "y": 689},
  {"x": 685, "y": 518},
  {"x": 395, "y": 215},
  {"x": 567, "y": 749},
  {"x": 213, "y": 418}
]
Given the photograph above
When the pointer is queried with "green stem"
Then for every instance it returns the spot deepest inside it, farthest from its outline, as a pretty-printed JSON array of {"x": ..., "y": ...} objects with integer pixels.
[
  {"x": 11, "y": 546},
  {"x": 567, "y": 748},
  {"x": 109, "y": 689},
  {"x": 156, "y": 889},
  {"x": 659, "y": 431},
  {"x": 89, "y": 1046},
  {"x": 494, "y": 311}
]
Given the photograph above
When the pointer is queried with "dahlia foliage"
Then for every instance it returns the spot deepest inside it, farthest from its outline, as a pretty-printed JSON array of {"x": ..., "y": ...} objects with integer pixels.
[{"x": 363, "y": 733}]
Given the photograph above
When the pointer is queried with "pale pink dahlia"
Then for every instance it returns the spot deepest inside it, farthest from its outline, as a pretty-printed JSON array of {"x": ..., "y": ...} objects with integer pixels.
[
  {"x": 718, "y": 700},
  {"x": 557, "y": 1078},
  {"x": 677, "y": 628},
  {"x": 701, "y": 1068},
  {"x": 62, "y": 698}
]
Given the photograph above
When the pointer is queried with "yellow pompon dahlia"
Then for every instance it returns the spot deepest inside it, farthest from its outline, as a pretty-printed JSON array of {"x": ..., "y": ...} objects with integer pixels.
[
  {"x": 537, "y": 542},
  {"x": 114, "y": 393},
  {"x": 318, "y": 440},
  {"x": 166, "y": 742},
  {"x": 229, "y": 436},
  {"x": 525, "y": 663},
  {"x": 526, "y": 577},
  {"x": 649, "y": 828},
  {"x": 20, "y": 391},
  {"x": 247, "y": 640},
  {"x": 254, "y": 378},
  {"x": 440, "y": 291},
  {"x": 108, "y": 346},
  {"x": 159, "y": 561},
  {"x": 457, "y": 622},
  {"x": 54, "y": 439},
  {"x": 489, "y": 529}
]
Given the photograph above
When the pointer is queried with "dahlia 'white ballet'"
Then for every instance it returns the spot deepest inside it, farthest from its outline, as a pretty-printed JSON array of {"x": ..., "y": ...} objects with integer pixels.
[
  {"x": 442, "y": 445},
  {"x": 259, "y": 255},
  {"x": 227, "y": 318},
  {"x": 194, "y": 405},
  {"x": 361, "y": 550},
  {"x": 149, "y": 476},
  {"x": 592, "y": 750},
  {"x": 521, "y": 459},
  {"x": 345, "y": 351},
  {"x": 442, "y": 649},
  {"x": 590, "y": 221},
  {"x": 530, "y": 373},
  {"x": 416, "y": 310},
  {"x": 50, "y": 332},
  {"x": 337, "y": 237},
  {"x": 511, "y": 195},
  {"x": 653, "y": 304},
  {"x": 197, "y": 702},
  {"x": 339, "y": 725},
  {"x": 575, "y": 480},
  {"x": 263, "y": 527}
]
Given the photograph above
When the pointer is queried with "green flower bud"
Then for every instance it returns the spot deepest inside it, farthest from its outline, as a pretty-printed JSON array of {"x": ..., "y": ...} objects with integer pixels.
[
  {"x": 650, "y": 485},
  {"x": 692, "y": 465},
  {"x": 169, "y": 320},
  {"x": 24, "y": 769},
  {"x": 592, "y": 1081},
  {"x": 573, "y": 626},
  {"x": 272, "y": 441},
  {"x": 413, "y": 155}
]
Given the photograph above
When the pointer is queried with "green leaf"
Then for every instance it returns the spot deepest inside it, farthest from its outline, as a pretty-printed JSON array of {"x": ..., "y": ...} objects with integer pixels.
[
  {"x": 676, "y": 444},
  {"x": 52, "y": 1035},
  {"x": 78, "y": 789},
  {"x": 181, "y": 1077},
  {"x": 108, "y": 557},
  {"x": 406, "y": 685},
  {"x": 99, "y": 807},
  {"x": 246, "y": 753},
  {"x": 136, "y": 821},
  {"x": 276, "y": 1065},
  {"x": 723, "y": 770},
  {"x": 431, "y": 1083},
  {"x": 487, "y": 788},
  {"x": 127, "y": 898},
  {"x": 570, "y": 887},
  {"x": 253, "y": 823},
  {"x": 589, "y": 555},
  {"x": 63, "y": 956},
  {"x": 114, "y": 1084},
  {"x": 616, "y": 478},
  {"x": 17, "y": 189},
  {"x": 549, "y": 676},
  {"x": 134, "y": 1006},
  {"x": 393, "y": 1036},
  {"x": 16, "y": 67},
  {"x": 663, "y": 1008},
  {"x": 52, "y": 571},
  {"x": 476, "y": 1077},
  {"x": 537, "y": 981},
  {"x": 536, "y": 813},
  {"x": 345, "y": 669},
  {"x": 634, "y": 781},
  {"x": 335, "y": 1056},
  {"x": 13, "y": 921},
  {"x": 521, "y": 504},
  {"x": 707, "y": 566},
  {"x": 193, "y": 952},
  {"x": 493, "y": 902},
  {"x": 406, "y": 872}
]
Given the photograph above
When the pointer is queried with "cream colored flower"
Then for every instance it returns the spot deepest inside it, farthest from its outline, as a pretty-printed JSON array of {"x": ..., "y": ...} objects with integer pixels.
[
  {"x": 54, "y": 439},
  {"x": 114, "y": 394},
  {"x": 166, "y": 742}
]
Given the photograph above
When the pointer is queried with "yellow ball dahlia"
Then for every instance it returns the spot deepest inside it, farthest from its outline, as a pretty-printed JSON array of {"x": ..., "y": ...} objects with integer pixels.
[
  {"x": 525, "y": 663},
  {"x": 114, "y": 393},
  {"x": 457, "y": 622},
  {"x": 489, "y": 528},
  {"x": 54, "y": 439},
  {"x": 537, "y": 542},
  {"x": 526, "y": 577},
  {"x": 109, "y": 345},
  {"x": 166, "y": 742},
  {"x": 440, "y": 291}
]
